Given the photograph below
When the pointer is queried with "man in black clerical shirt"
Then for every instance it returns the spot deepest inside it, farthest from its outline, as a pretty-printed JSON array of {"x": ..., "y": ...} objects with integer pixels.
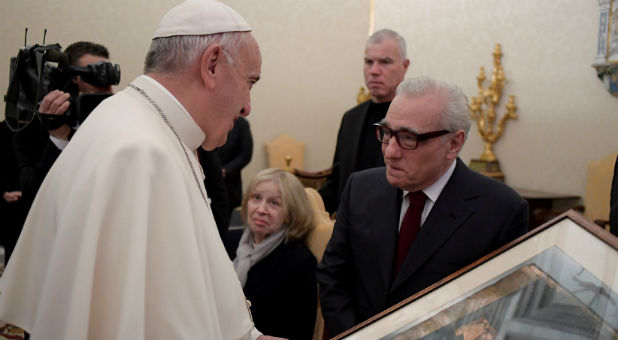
[{"x": 357, "y": 148}]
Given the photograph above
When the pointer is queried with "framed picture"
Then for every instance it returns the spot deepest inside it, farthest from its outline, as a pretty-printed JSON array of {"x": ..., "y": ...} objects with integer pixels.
[{"x": 559, "y": 281}]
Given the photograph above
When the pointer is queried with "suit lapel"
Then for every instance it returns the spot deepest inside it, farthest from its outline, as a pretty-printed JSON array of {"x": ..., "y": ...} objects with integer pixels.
[
  {"x": 386, "y": 236},
  {"x": 449, "y": 212}
]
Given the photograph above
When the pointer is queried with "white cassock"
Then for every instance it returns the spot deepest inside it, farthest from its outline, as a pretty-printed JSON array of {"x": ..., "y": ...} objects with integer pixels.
[{"x": 119, "y": 242}]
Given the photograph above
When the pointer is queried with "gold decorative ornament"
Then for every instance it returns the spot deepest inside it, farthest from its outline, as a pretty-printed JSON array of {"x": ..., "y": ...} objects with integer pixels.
[
  {"x": 372, "y": 15},
  {"x": 363, "y": 95},
  {"x": 483, "y": 110},
  {"x": 288, "y": 163}
]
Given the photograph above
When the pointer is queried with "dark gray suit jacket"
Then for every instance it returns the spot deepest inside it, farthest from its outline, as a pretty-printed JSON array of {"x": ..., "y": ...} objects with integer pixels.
[
  {"x": 346, "y": 155},
  {"x": 473, "y": 216},
  {"x": 234, "y": 155}
]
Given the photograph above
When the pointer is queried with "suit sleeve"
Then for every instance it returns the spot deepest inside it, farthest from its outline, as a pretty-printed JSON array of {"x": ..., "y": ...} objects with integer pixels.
[
  {"x": 243, "y": 157},
  {"x": 34, "y": 165},
  {"x": 516, "y": 224},
  {"x": 336, "y": 273},
  {"x": 215, "y": 187},
  {"x": 330, "y": 188}
]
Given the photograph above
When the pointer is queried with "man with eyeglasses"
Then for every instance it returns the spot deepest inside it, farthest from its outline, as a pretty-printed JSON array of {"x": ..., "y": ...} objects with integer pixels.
[
  {"x": 384, "y": 68},
  {"x": 402, "y": 227}
]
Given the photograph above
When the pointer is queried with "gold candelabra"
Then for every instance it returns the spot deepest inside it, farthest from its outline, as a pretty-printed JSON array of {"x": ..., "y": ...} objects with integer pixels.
[
  {"x": 483, "y": 110},
  {"x": 363, "y": 95}
]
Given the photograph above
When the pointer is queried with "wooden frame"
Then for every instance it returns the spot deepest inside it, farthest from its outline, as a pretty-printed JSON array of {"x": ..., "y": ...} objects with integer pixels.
[
  {"x": 312, "y": 179},
  {"x": 558, "y": 281}
]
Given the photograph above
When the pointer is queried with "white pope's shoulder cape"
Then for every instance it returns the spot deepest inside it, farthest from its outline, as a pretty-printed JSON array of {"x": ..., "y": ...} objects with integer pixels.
[{"x": 119, "y": 242}]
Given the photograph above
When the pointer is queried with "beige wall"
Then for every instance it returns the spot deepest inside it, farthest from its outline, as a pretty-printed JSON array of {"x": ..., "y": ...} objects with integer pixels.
[
  {"x": 566, "y": 117},
  {"x": 312, "y": 57},
  {"x": 312, "y": 62}
]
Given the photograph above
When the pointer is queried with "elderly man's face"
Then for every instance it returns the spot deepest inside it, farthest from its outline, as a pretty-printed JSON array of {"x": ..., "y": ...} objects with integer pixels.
[
  {"x": 234, "y": 99},
  {"x": 384, "y": 69},
  {"x": 416, "y": 169}
]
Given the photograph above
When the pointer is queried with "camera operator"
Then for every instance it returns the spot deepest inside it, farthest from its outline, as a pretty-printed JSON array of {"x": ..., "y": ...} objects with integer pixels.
[
  {"x": 38, "y": 146},
  {"x": 57, "y": 102}
]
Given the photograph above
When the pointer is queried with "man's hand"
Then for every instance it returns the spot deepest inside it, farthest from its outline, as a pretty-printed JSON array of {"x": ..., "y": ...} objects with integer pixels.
[
  {"x": 57, "y": 102},
  {"x": 11, "y": 196}
]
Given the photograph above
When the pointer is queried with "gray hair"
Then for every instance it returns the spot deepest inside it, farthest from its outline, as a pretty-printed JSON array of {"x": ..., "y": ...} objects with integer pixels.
[
  {"x": 456, "y": 113},
  {"x": 379, "y": 36},
  {"x": 172, "y": 55}
]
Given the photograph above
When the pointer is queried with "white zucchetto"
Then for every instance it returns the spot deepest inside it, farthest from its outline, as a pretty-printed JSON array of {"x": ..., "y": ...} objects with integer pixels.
[{"x": 200, "y": 17}]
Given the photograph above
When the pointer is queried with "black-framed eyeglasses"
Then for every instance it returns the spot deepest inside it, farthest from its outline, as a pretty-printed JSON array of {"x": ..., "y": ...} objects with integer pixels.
[{"x": 406, "y": 139}]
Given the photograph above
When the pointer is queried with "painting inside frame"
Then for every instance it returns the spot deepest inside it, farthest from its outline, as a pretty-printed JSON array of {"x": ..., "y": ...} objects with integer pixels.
[
  {"x": 547, "y": 297},
  {"x": 557, "y": 282}
]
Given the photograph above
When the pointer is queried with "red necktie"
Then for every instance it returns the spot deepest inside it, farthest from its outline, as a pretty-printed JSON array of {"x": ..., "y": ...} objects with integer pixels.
[{"x": 410, "y": 226}]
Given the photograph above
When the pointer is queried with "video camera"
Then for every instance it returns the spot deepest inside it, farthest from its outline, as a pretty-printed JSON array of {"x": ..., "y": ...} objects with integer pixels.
[{"x": 33, "y": 75}]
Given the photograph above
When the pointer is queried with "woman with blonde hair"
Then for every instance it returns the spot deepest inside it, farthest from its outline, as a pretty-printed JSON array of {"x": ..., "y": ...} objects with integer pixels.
[{"x": 275, "y": 267}]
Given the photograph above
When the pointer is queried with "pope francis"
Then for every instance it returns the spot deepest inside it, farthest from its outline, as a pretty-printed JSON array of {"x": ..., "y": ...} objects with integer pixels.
[{"x": 120, "y": 242}]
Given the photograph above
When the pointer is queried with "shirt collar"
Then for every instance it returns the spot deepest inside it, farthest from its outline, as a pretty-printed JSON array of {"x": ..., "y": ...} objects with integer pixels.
[
  {"x": 188, "y": 131},
  {"x": 433, "y": 191}
]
